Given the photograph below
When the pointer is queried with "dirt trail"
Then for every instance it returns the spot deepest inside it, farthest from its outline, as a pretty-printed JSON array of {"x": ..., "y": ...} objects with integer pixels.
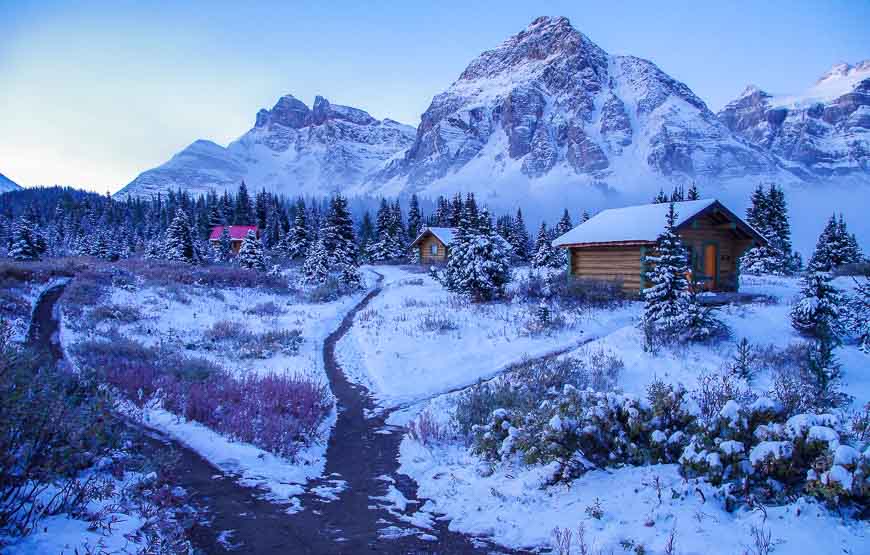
[{"x": 339, "y": 513}]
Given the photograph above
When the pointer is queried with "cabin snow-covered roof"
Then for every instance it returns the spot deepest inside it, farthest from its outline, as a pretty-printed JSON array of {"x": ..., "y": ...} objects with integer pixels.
[
  {"x": 642, "y": 223},
  {"x": 443, "y": 234}
]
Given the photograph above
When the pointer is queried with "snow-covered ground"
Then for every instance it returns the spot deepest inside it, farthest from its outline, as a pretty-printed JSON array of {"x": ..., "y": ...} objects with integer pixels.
[
  {"x": 182, "y": 317},
  {"x": 416, "y": 340},
  {"x": 407, "y": 364}
]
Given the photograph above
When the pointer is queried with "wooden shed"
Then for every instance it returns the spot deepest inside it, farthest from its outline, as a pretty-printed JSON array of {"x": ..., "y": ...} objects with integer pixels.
[
  {"x": 433, "y": 244},
  {"x": 237, "y": 234},
  {"x": 612, "y": 245}
]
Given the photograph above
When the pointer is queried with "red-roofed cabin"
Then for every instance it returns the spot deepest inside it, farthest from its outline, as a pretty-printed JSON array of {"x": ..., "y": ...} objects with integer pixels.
[{"x": 237, "y": 235}]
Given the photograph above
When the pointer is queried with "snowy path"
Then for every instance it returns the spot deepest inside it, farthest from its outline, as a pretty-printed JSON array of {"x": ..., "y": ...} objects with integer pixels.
[{"x": 363, "y": 503}]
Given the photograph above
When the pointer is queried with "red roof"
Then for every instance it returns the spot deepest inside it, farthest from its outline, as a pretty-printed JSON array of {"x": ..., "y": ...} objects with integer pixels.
[{"x": 237, "y": 232}]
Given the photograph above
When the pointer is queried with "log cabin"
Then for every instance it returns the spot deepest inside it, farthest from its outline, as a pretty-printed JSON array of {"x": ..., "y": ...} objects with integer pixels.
[
  {"x": 433, "y": 244},
  {"x": 612, "y": 245},
  {"x": 237, "y": 235}
]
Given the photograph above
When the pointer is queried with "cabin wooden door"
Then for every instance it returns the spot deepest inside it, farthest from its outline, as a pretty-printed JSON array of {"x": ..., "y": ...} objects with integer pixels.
[{"x": 711, "y": 259}]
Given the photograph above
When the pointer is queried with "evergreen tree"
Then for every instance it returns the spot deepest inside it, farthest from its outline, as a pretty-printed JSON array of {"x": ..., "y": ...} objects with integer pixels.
[
  {"x": 454, "y": 216},
  {"x": 225, "y": 245},
  {"x": 693, "y": 193},
  {"x": 415, "y": 219},
  {"x": 26, "y": 244},
  {"x": 546, "y": 255},
  {"x": 819, "y": 312},
  {"x": 366, "y": 236},
  {"x": 585, "y": 217},
  {"x": 768, "y": 214},
  {"x": 668, "y": 297},
  {"x": 478, "y": 264},
  {"x": 678, "y": 194},
  {"x": 835, "y": 247},
  {"x": 564, "y": 226},
  {"x": 519, "y": 237},
  {"x": 296, "y": 242},
  {"x": 661, "y": 198},
  {"x": 339, "y": 241},
  {"x": 179, "y": 243},
  {"x": 251, "y": 253},
  {"x": 859, "y": 314},
  {"x": 242, "y": 214},
  {"x": 317, "y": 265}
]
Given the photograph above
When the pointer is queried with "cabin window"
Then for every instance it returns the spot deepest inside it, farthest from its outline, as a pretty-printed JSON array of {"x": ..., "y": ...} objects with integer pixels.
[{"x": 433, "y": 249}]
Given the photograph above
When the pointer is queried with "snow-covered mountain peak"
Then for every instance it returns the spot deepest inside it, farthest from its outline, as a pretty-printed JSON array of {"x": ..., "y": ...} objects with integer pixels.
[
  {"x": 546, "y": 40},
  {"x": 291, "y": 148},
  {"x": 823, "y": 130},
  {"x": 7, "y": 184}
]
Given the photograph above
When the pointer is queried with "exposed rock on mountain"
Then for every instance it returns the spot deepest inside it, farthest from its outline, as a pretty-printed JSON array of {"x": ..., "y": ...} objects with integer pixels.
[
  {"x": 550, "y": 98},
  {"x": 291, "y": 148},
  {"x": 824, "y": 131}
]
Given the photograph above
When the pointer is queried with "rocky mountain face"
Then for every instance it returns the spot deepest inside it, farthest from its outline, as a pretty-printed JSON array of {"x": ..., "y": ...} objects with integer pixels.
[
  {"x": 7, "y": 184},
  {"x": 824, "y": 131},
  {"x": 550, "y": 99},
  {"x": 291, "y": 148}
]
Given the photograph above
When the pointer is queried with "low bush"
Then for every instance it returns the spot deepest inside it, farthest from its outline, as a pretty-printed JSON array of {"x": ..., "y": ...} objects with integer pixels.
[
  {"x": 86, "y": 290},
  {"x": 268, "y": 308},
  {"x": 165, "y": 273},
  {"x": 437, "y": 322},
  {"x": 279, "y": 413},
  {"x": 325, "y": 292},
  {"x": 55, "y": 424},
  {"x": 583, "y": 291},
  {"x": 122, "y": 314},
  {"x": 247, "y": 344},
  {"x": 428, "y": 430}
]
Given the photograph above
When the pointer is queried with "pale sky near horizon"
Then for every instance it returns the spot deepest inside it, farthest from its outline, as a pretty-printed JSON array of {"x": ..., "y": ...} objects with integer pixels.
[{"x": 93, "y": 93}]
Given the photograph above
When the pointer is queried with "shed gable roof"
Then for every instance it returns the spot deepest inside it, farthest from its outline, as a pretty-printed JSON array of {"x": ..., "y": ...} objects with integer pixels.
[
  {"x": 237, "y": 232},
  {"x": 644, "y": 223}
]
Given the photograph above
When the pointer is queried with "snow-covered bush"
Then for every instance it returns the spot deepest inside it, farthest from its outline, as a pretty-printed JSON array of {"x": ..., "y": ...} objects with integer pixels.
[
  {"x": 754, "y": 449},
  {"x": 528, "y": 383},
  {"x": 572, "y": 431}
]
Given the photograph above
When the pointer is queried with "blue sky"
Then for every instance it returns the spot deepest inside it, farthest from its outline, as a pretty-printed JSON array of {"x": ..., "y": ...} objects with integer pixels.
[{"x": 95, "y": 92}]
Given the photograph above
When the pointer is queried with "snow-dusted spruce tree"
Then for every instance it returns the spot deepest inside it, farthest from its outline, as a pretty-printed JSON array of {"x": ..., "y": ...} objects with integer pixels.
[
  {"x": 251, "y": 253},
  {"x": 668, "y": 297},
  {"x": 564, "y": 226},
  {"x": 26, "y": 242},
  {"x": 859, "y": 314},
  {"x": 297, "y": 240},
  {"x": 545, "y": 254},
  {"x": 339, "y": 242},
  {"x": 415, "y": 218},
  {"x": 365, "y": 237},
  {"x": 768, "y": 213},
  {"x": 478, "y": 263},
  {"x": 661, "y": 197},
  {"x": 225, "y": 245},
  {"x": 835, "y": 247},
  {"x": 179, "y": 244},
  {"x": 819, "y": 312},
  {"x": 693, "y": 193},
  {"x": 316, "y": 265},
  {"x": 519, "y": 238},
  {"x": 389, "y": 236}
]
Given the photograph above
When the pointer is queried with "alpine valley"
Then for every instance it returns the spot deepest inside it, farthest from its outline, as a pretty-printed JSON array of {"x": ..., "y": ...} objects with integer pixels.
[{"x": 550, "y": 115}]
